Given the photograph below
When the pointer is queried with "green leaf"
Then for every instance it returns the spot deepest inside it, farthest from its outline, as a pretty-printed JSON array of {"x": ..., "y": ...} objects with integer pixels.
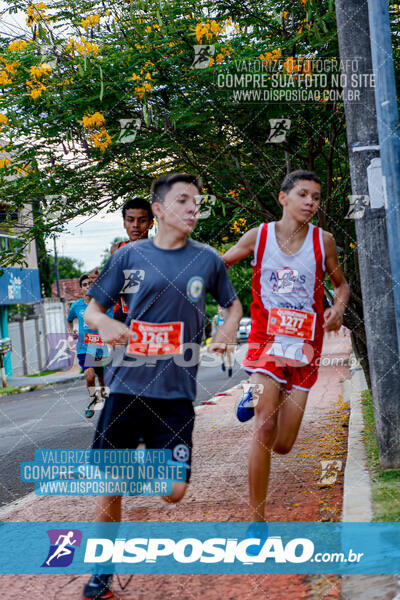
[
  {"x": 101, "y": 84},
  {"x": 146, "y": 117}
]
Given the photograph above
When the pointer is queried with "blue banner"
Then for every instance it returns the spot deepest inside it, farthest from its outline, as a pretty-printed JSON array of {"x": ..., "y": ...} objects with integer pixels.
[
  {"x": 207, "y": 548},
  {"x": 19, "y": 286}
]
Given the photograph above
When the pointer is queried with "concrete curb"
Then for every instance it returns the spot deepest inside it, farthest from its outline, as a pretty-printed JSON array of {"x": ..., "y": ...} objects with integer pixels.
[
  {"x": 29, "y": 384},
  {"x": 357, "y": 498}
]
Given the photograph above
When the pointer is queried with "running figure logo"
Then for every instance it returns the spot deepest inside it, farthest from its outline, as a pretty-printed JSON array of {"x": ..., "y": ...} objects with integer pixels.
[
  {"x": 202, "y": 55},
  {"x": 133, "y": 278},
  {"x": 62, "y": 547},
  {"x": 279, "y": 128}
]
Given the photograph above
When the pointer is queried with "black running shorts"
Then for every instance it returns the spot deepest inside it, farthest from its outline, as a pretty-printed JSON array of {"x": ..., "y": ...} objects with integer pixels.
[{"x": 161, "y": 423}]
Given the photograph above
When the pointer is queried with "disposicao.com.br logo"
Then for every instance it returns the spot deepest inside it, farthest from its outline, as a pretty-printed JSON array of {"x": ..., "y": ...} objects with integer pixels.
[{"x": 212, "y": 550}]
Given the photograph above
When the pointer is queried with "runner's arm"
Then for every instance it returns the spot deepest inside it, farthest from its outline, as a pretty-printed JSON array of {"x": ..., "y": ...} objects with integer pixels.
[
  {"x": 213, "y": 326},
  {"x": 70, "y": 321},
  {"x": 244, "y": 247},
  {"x": 334, "y": 314},
  {"x": 111, "y": 331},
  {"x": 226, "y": 333}
]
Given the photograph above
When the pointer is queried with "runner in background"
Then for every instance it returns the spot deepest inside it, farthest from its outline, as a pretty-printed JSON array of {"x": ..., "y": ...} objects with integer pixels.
[
  {"x": 218, "y": 320},
  {"x": 288, "y": 323},
  {"x": 138, "y": 220},
  {"x": 89, "y": 349}
]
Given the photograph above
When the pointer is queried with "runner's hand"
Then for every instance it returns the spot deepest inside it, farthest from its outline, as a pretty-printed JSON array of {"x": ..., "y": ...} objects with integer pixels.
[
  {"x": 113, "y": 332},
  {"x": 333, "y": 318},
  {"x": 224, "y": 340}
]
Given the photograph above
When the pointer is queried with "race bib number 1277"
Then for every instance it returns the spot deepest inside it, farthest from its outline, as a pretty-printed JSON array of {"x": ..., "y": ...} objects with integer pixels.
[
  {"x": 155, "y": 338},
  {"x": 287, "y": 321}
]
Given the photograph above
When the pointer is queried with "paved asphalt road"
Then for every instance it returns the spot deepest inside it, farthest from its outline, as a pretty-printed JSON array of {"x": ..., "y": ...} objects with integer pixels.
[{"x": 53, "y": 417}]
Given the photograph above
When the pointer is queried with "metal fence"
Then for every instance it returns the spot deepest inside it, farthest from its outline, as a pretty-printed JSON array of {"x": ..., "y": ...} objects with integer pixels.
[{"x": 29, "y": 336}]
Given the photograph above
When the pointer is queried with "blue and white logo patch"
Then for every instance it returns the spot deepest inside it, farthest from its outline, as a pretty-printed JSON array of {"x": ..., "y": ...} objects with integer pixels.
[
  {"x": 181, "y": 452},
  {"x": 194, "y": 288}
]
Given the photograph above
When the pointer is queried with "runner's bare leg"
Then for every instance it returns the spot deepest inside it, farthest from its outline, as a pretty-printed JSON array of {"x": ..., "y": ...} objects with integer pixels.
[
  {"x": 265, "y": 430},
  {"x": 291, "y": 411}
]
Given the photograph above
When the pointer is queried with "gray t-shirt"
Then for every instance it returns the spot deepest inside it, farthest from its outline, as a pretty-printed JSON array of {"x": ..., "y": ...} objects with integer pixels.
[{"x": 161, "y": 286}]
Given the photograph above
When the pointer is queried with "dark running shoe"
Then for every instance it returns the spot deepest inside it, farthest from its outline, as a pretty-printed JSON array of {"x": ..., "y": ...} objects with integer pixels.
[
  {"x": 245, "y": 407},
  {"x": 223, "y": 367},
  {"x": 98, "y": 588},
  {"x": 230, "y": 372},
  {"x": 89, "y": 412}
]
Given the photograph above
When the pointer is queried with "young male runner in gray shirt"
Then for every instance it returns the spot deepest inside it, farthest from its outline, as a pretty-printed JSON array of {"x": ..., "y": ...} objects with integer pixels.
[{"x": 163, "y": 281}]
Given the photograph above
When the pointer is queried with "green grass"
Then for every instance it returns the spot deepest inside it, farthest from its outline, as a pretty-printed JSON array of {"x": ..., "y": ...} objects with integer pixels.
[
  {"x": 42, "y": 373},
  {"x": 9, "y": 390},
  {"x": 385, "y": 482}
]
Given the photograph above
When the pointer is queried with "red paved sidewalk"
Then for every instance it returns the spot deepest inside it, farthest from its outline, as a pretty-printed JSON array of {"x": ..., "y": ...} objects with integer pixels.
[{"x": 218, "y": 492}]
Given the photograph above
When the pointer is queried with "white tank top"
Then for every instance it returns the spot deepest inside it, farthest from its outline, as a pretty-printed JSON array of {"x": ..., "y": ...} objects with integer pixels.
[{"x": 288, "y": 280}]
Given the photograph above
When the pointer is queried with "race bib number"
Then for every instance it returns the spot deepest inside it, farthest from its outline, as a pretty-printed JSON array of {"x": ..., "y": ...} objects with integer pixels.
[
  {"x": 296, "y": 323},
  {"x": 93, "y": 339},
  {"x": 155, "y": 338}
]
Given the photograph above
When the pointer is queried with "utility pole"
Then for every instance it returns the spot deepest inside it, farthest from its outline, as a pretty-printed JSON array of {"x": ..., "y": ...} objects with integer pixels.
[
  {"x": 56, "y": 268},
  {"x": 371, "y": 230},
  {"x": 388, "y": 131}
]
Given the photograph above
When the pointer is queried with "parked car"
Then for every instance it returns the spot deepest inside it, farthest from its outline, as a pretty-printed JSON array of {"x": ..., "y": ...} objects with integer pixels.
[{"x": 243, "y": 330}]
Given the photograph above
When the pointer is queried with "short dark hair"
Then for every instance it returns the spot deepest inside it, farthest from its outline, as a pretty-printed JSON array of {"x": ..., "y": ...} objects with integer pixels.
[
  {"x": 161, "y": 186},
  {"x": 82, "y": 279},
  {"x": 291, "y": 179},
  {"x": 137, "y": 203}
]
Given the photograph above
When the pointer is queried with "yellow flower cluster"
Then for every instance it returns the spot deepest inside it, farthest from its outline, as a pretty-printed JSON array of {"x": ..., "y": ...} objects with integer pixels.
[
  {"x": 7, "y": 71},
  {"x": 207, "y": 30},
  {"x": 298, "y": 65},
  {"x": 3, "y": 121},
  {"x": 4, "y": 162},
  {"x": 90, "y": 21},
  {"x": 36, "y": 87},
  {"x": 101, "y": 139},
  {"x": 82, "y": 48},
  {"x": 36, "y": 84},
  {"x": 273, "y": 55},
  {"x": 94, "y": 120},
  {"x": 17, "y": 45},
  {"x": 239, "y": 225},
  {"x": 41, "y": 71},
  {"x": 36, "y": 13},
  {"x": 4, "y": 78},
  {"x": 220, "y": 56},
  {"x": 146, "y": 86}
]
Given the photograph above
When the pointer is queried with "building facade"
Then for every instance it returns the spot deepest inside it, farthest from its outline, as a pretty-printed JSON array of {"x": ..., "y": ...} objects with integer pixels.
[{"x": 19, "y": 284}]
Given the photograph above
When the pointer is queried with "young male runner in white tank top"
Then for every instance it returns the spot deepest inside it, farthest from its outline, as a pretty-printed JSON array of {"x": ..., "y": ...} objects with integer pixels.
[{"x": 288, "y": 321}]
